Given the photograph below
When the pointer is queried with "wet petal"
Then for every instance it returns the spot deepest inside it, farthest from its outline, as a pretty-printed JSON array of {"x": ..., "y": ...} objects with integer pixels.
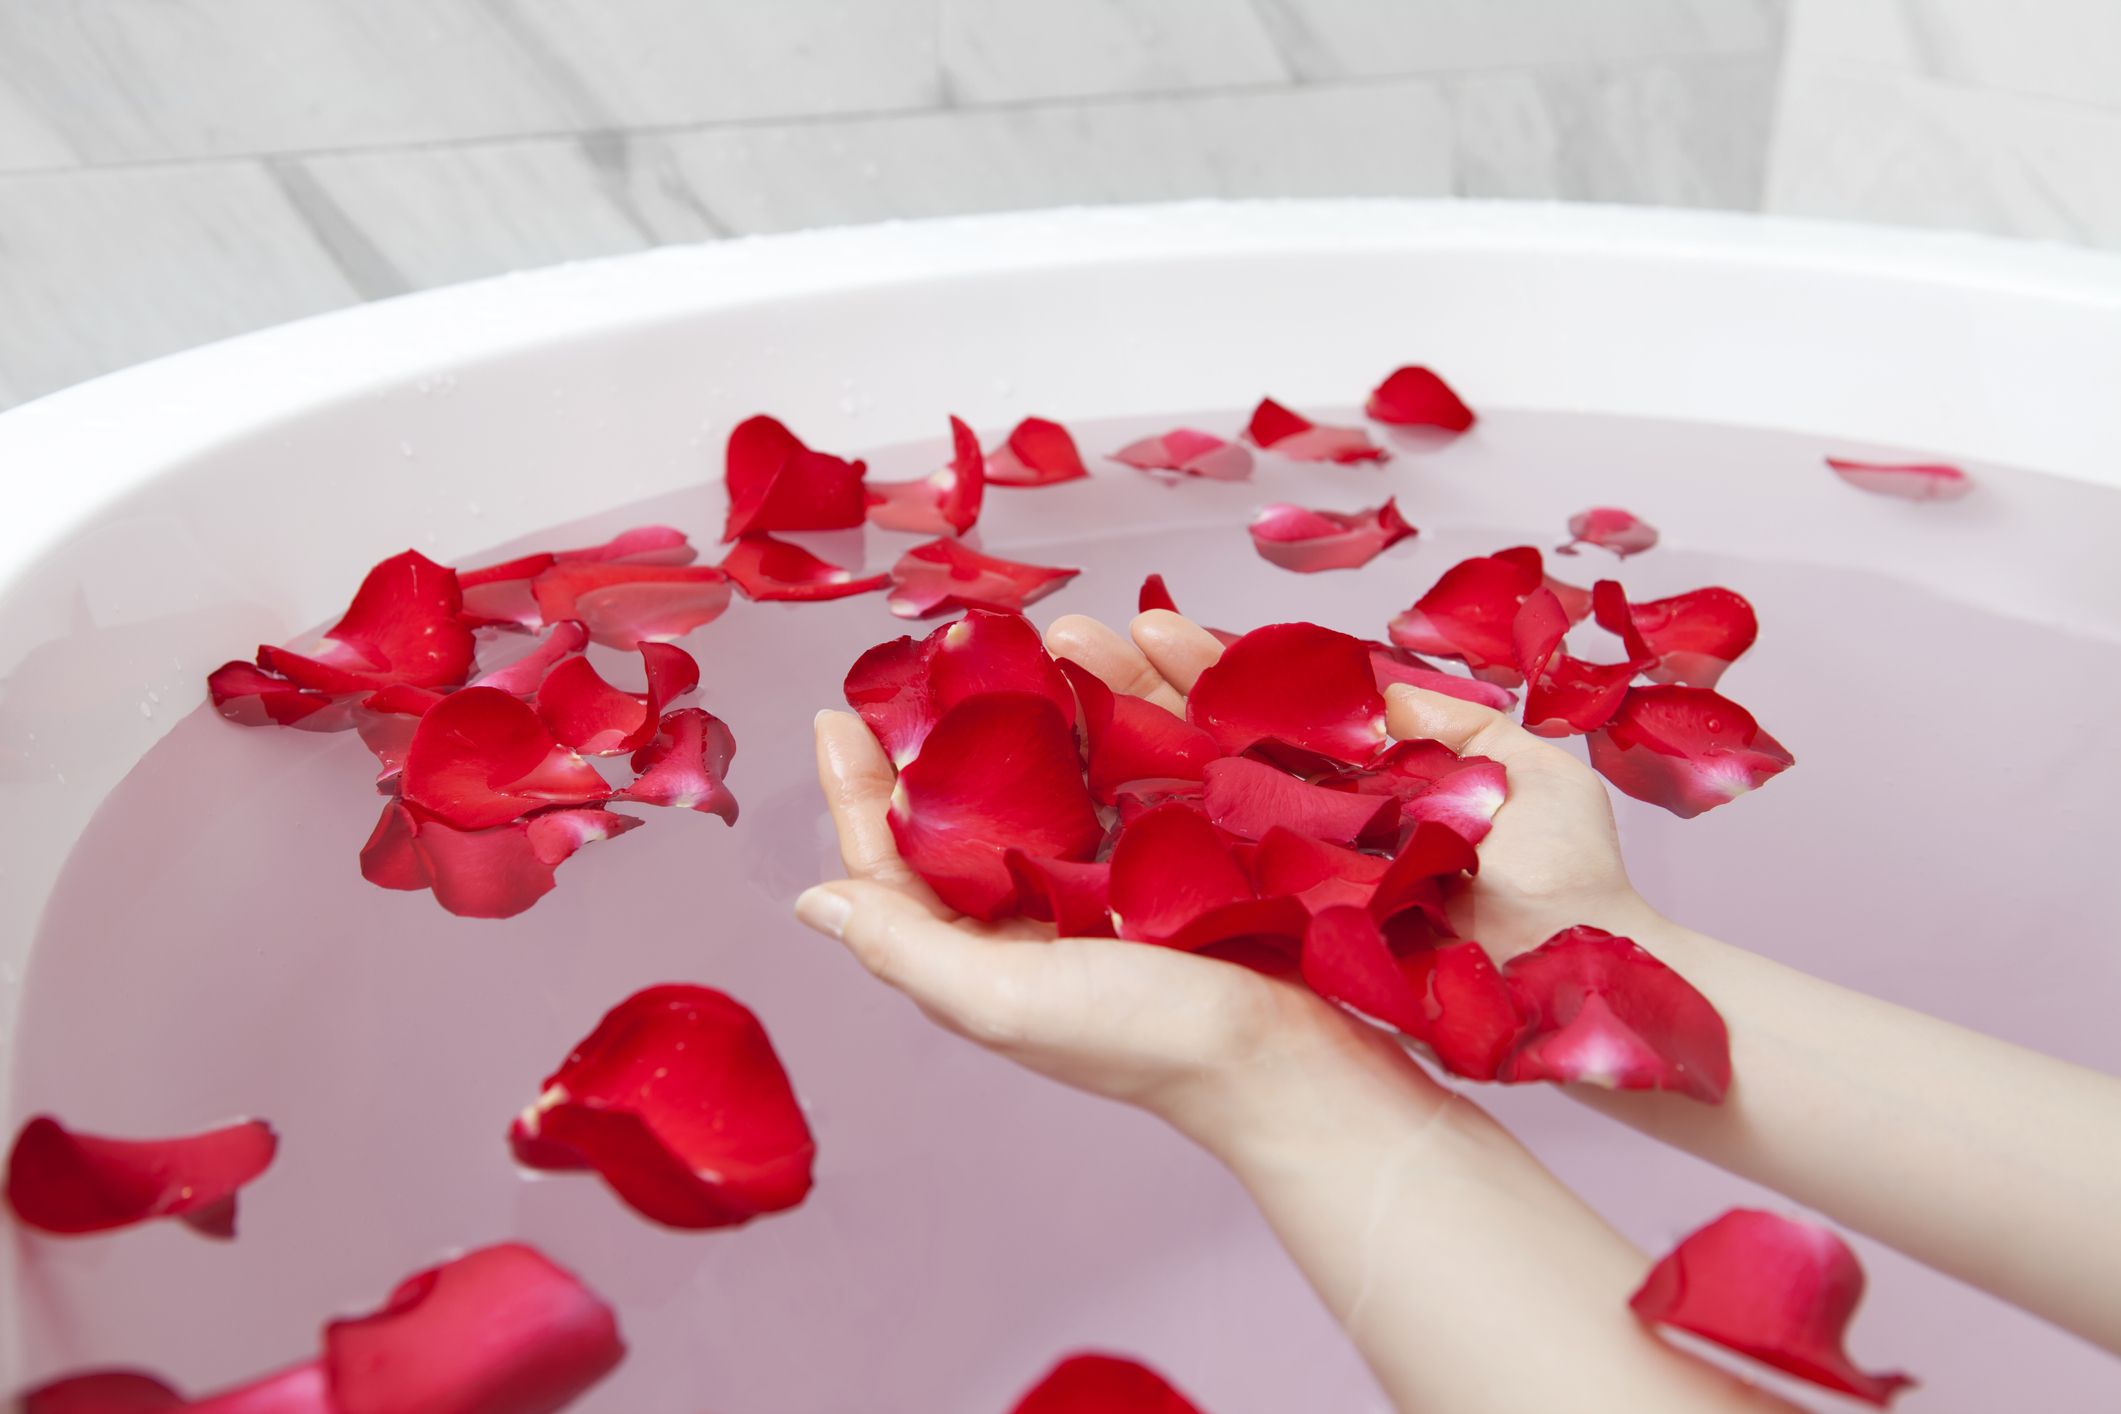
[
  {"x": 683, "y": 766},
  {"x": 1690, "y": 638},
  {"x": 945, "y": 574},
  {"x": 776, "y": 483},
  {"x": 1190, "y": 453},
  {"x": 401, "y": 627},
  {"x": 1685, "y": 748},
  {"x": 1778, "y": 1290},
  {"x": 1131, "y": 740},
  {"x": 1248, "y": 799},
  {"x": 1310, "y": 541},
  {"x": 1038, "y": 453},
  {"x": 59, "y": 1181},
  {"x": 1600, "y": 1010},
  {"x": 1073, "y": 897},
  {"x": 990, "y": 652},
  {"x": 1102, "y": 1384},
  {"x": 1168, "y": 870},
  {"x": 245, "y": 693},
  {"x": 1415, "y": 397},
  {"x": 496, "y": 872},
  {"x": 481, "y": 757},
  {"x": 1390, "y": 664},
  {"x": 1470, "y": 613},
  {"x": 521, "y": 678},
  {"x": 678, "y": 1101},
  {"x": 1298, "y": 683},
  {"x": 624, "y": 606},
  {"x": 389, "y": 860},
  {"x": 888, "y": 688},
  {"x": 1473, "y": 1021},
  {"x": 387, "y": 720},
  {"x": 1609, "y": 528},
  {"x": 500, "y": 594},
  {"x": 998, "y": 771},
  {"x": 590, "y": 716},
  {"x": 763, "y": 568},
  {"x": 1910, "y": 481},
  {"x": 500, "y": 1330}
]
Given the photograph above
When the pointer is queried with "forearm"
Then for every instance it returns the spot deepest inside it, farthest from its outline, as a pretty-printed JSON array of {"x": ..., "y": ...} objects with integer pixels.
[
  {"x": 1990, "y": 1162},
  {"x": 1469, "y": 1278}
]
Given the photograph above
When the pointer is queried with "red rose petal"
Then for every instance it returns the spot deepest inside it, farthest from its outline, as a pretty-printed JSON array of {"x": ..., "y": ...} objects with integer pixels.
[
  {"x": 500, "y": 594},
  {"x": 481, "y": 757},
  {"x": 389, "y": 860},
  {"x": 777, "y": 483},
  {"x": 1470, "y": 613},
  {"x": 1415, "y": 397},
  {"x": 521, "y": 678},
  {"x": 1298, "y": 683},
  {"x": 1191, "y": 453},
  {"x": 495, "y": 872},
  {"x": 1435, "y": 785},
  {"x": 244, "y": 693},
  {"x": 1600, "y": 1010},
  {"x": 1073, "y": 897},
  {"x": 888, "y": 688},
  {"x": 1432, "y": 853},
  {"x": 624, "y": 606},
  {"x": 945, "y": 502},
  {"x": 678, "y": 1100},
  {"x": 1316, "y": 874},
  {"x": 1609, "y": 528},
  {"x": 1248, "y": 799},
  {"x": 1913, "y": 481},
  {"x": 1155, "y": 596},
  {"x": 1685, "y": 748},
  {"x": 998, "y": 771},
  {"x": 1234, "y": 931},
  {"x": 100, "y": 1392},
  {"x": 1310, "y": 541},
  {"x": 1140, "y": 797},
  {"x": 683, "y": 765},
  {"x": 58, "y": 1181},
  {"x": 1291, "y": 435},
  {"x": 1473, "y": 1021},
  {"x": 990, "y": 652},
  {"x": 944, "y": 575},
  {"x": 1610, "y": 603},
  {"x": 1573, "y": 697},
  {"x": 1131, "y": 740},
  {"x": 497, "y": 1331},
  {"x": 1691, "y": 638},
  {"x": 1390, "y": 664},
  {"x": 763, "y": 568},
  {"x": 642, "y": 545},
  {"x": 523, "y": 567},
  {"x": 1345, "y": 960},
  {"x": 1271, "y": 423},
  {"x": 1038, "y": 453},
  {"x": 590, "y": 716},
  {"x": 1102, "y": 1384},
  {"x": 301, "y": 1389},
  {"x": 401, "y": 627},
  {"x": 1537, "y": 631},
  {"x": 1766, "y": 1286},
  {"x": 387, "y": 720},
  {"x": 1168, "y": 870}
]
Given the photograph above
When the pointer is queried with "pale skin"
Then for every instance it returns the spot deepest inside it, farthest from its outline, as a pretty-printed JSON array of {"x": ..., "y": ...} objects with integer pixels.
[{"x": 1468, "y": 1276}]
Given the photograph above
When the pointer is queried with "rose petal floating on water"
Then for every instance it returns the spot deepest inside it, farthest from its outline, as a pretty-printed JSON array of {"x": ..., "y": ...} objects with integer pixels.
[
  {"x": 763, "y": 568},
  {"x": 1434, "y": 784},
  {"x": 624, "y": 606},
  {"x": 998, "y": 771},
  {"x": 1912, "y": 481},
  {"x": 1685, "y": 748},
  {"x": 1390, "y": 664},
  {"x": 1168, "y": 870},
  {"x": 1292, "y": 435},
  {"x": 481, "y": 757},
  {"x": 495, "y": 872},
  {"x": 1189, "y": 452},
  {"x": 500, "y": 594},
  {"x": 1415, "y": 397},
  {"x": 1691, "y": 637},
  {"x": 776, "y": 483},
  {"x": 642, "y": 545},
  {"x": 1609, "y": 528},
  {"x": 1770, "y": 1287},
  {"x": 1131, "y": 740},
  {"x": 1037, "y": 453},
  {"x": 590, "y": 716},
  {"x": 501, "y": 1330},
  {"x": 100, "y": 1392},
  {"x": 1309, "y": 541},
  {"x": 944, "y": 575},
  {"x": 1155, "y": 596},
  {"x": 1091, "y": 1383},
  {"x": 683, "y": 765},
  {"x": 60, "y": 1181},
  {"x": 1247, "y": 799},
  {"x": 1600, "y": 1010},
  {"x": 401, "y": 627},
  {"x": 1298, "y": 683},
  {"x": 244, "y": 693},
  {"x": 677, "y": 1101},
  {"x": 386, "y": 721},
  {"x": 1073, "y": 897},
  {"x": 521, "y": 678},
  {"x": 945, "y": 502}
]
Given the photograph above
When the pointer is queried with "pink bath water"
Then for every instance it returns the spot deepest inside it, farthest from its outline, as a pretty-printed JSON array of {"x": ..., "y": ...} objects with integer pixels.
[{"x": 1941, "y": 672}]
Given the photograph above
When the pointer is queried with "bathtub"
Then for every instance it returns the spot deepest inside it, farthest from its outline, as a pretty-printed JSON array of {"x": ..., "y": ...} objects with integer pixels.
[{"x": 174, "y": 950}]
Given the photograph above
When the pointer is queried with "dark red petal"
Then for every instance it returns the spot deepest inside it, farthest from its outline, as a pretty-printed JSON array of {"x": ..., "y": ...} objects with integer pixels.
[
  {"x": 521, "y": 678},
  {"x": 401, "y": 627},
  {"x": 1601, "y": 1010},
  {"x": 944, "y": 575},
  {"x": 1169, "y": 869},
  {"x": 1316, "y": 874},
  {"x": 678, "y": 1100},
  {"x": 642, "y": 545},
  {"x": 888, "y": 688},
  {"x": 776, "y": 483},
  {"x": 1038, "y": 453},
  {"x": 1188, "y": 452},
  {"x": 1345, "y": 960},
  {"x": 501, "y": 1330},
  {"x": 1610, "y": 528},
  {"x": 502, "y": 870},
  {"x": 1310, "y": 541},
  {"x": 1155, "y": 596},
  {"x": 1775, "y": 1289},
  {"x": 590, "y": 716},
  {"x": 1390, "y": 664},
  {"x": 1685, "y": 748},
  {"x": 990, "y": 652},
  {"x": 1469, "y": 613},
  {"x": 244, "y": 693},
  {"x": 763, "y": 568},
  {"x": 1695, "y": 636},
  {"x": 1090, "y": 1383},
  {"x": 1433, "y": 853},
  {"x": 1914, "y": 481},
  {"x": 481, "y": 757},
  {"x": 1248, "y": 799},
  {"x": 59, "y": 1181},
  {"x": 1299, "y": 683},
  {"x": 684, "y": 765},
  {"x": 999, "y": 770},
  {"x": 1139, "y": 798},
  {"x": 1415, "y": 397},
  {"x": 389, "y": 859},
  {"x": 624, "y": 606},
  {"x": 1434, "y": 785},
  {"x": 1473, "y": 1021},
  {"x": 1537, "y": 631},
  {"x": 100, "y": 1392},
  {"x": 1132, "y": 740},
  {"x": 1277, "y": 922},
  {"x": 1073, "y": 897}
]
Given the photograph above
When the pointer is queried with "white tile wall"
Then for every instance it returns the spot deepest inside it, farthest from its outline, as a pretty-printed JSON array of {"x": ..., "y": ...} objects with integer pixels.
[{"x": 1000, "y": 51}]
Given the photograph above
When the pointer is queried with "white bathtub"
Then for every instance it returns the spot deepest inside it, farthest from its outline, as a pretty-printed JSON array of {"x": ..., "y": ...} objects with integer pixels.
[{"x": 173, "y": 516}]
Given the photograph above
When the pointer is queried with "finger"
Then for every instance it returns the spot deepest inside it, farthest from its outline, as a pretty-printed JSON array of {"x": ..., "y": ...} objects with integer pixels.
[
  {"x": 858, "y": 782},
  {"x": 1119, "y": 663},
  {"x": 1466, "y": 727},
  {"x": 1175, "y": 646},
  {"x": 968, "y": 983}
]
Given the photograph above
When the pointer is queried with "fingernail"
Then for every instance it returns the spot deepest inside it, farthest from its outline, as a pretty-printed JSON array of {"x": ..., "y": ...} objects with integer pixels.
[{"x": 823, "y": 910}]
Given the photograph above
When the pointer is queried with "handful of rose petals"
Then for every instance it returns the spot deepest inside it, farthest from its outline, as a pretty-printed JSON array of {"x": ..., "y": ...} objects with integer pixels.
[{"x": 1275, "y": 826}]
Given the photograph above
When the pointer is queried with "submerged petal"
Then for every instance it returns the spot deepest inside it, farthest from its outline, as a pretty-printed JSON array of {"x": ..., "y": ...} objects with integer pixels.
[
  {"x": 245, "y": 693},
  {"x": 945, "y": 574},
  {"x": 1685, "y": 748},
  {"x": 1190, "y": 453},
  {"x": 1415, "y": 397},
  {"x": 623, "y": 606},
  {"x": 521, "y": 678},
  {"x": 1600, "y": 1010},
  {"x": 494, "y": 872},
  {"x": 642, "y": 545},
  {"x": 1309, "y": 541},
  {"x": 1292, "y": 435},
  {"x": 763, "y": 568},
  {"x": 1910, "y": 481},
  {"x": 1609, "y": 528},
  {"x": 1298, "y": 683},
  {"x": 60, "y": 1181}
]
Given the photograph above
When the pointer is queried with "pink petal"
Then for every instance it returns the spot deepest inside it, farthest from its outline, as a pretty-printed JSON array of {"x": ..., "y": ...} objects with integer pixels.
[
  {"x": 1390, "y": 664},
  {"x": 521, "y": 678},
  {"x": 401, "y": 627},
  {"x": 481, "y": 757},
  {"x": 1685, "y": 748},
  {"x": 1298, "y": 683},
  {"x": 1131, "y": 740},
  {"x": 1600, "y": 1010},
  {"x": 59, "y": 1181},
  {"x": 1168, "y": 870},
  {"x": 624, "y": 606},
  {"x": 1316, "y": 874},
  {"x": 100, "y": 1392},
  {"x": 1470, "y": 613},
  {"x": 590, "y": 716},
  {"x": 1311, "y": 541},
  {"x": 888, "y": 688},
  {"x": 1415, "y": 397},
  {"x": 642, "y": 545},
  {"x": 1155, "y": 596},
  {"x": 1692, "y": 637},
  {"x": 1248, "y": 799},
  {"x": 998, "y": 771},
  {"x": 1038, "y": 453},
  {"x": 678, "y": 1100},
  {"x": 1778, "y": 1290},
  {"x": 683, "y": 766},
  {"x": 244, "y": 693},
  {"x": 500, "y": 1330},
  {"x": 495, "y": 872},
  {"x": 1610, "y": 528},
  {"x": 1102, "y": 1384},
  {"x": 776, "y": 483},
  {"x": 1188, "y": 452},
  {"x": 1073, "y": 897},
  {"x": 944, "y": 575},
  {"x": 763, "y": 568},
  {"x": 1917, "y": 481}
]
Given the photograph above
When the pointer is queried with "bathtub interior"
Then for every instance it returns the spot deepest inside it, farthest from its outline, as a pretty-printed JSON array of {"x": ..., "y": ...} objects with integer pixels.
[{"x": 204, "y": 949}]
